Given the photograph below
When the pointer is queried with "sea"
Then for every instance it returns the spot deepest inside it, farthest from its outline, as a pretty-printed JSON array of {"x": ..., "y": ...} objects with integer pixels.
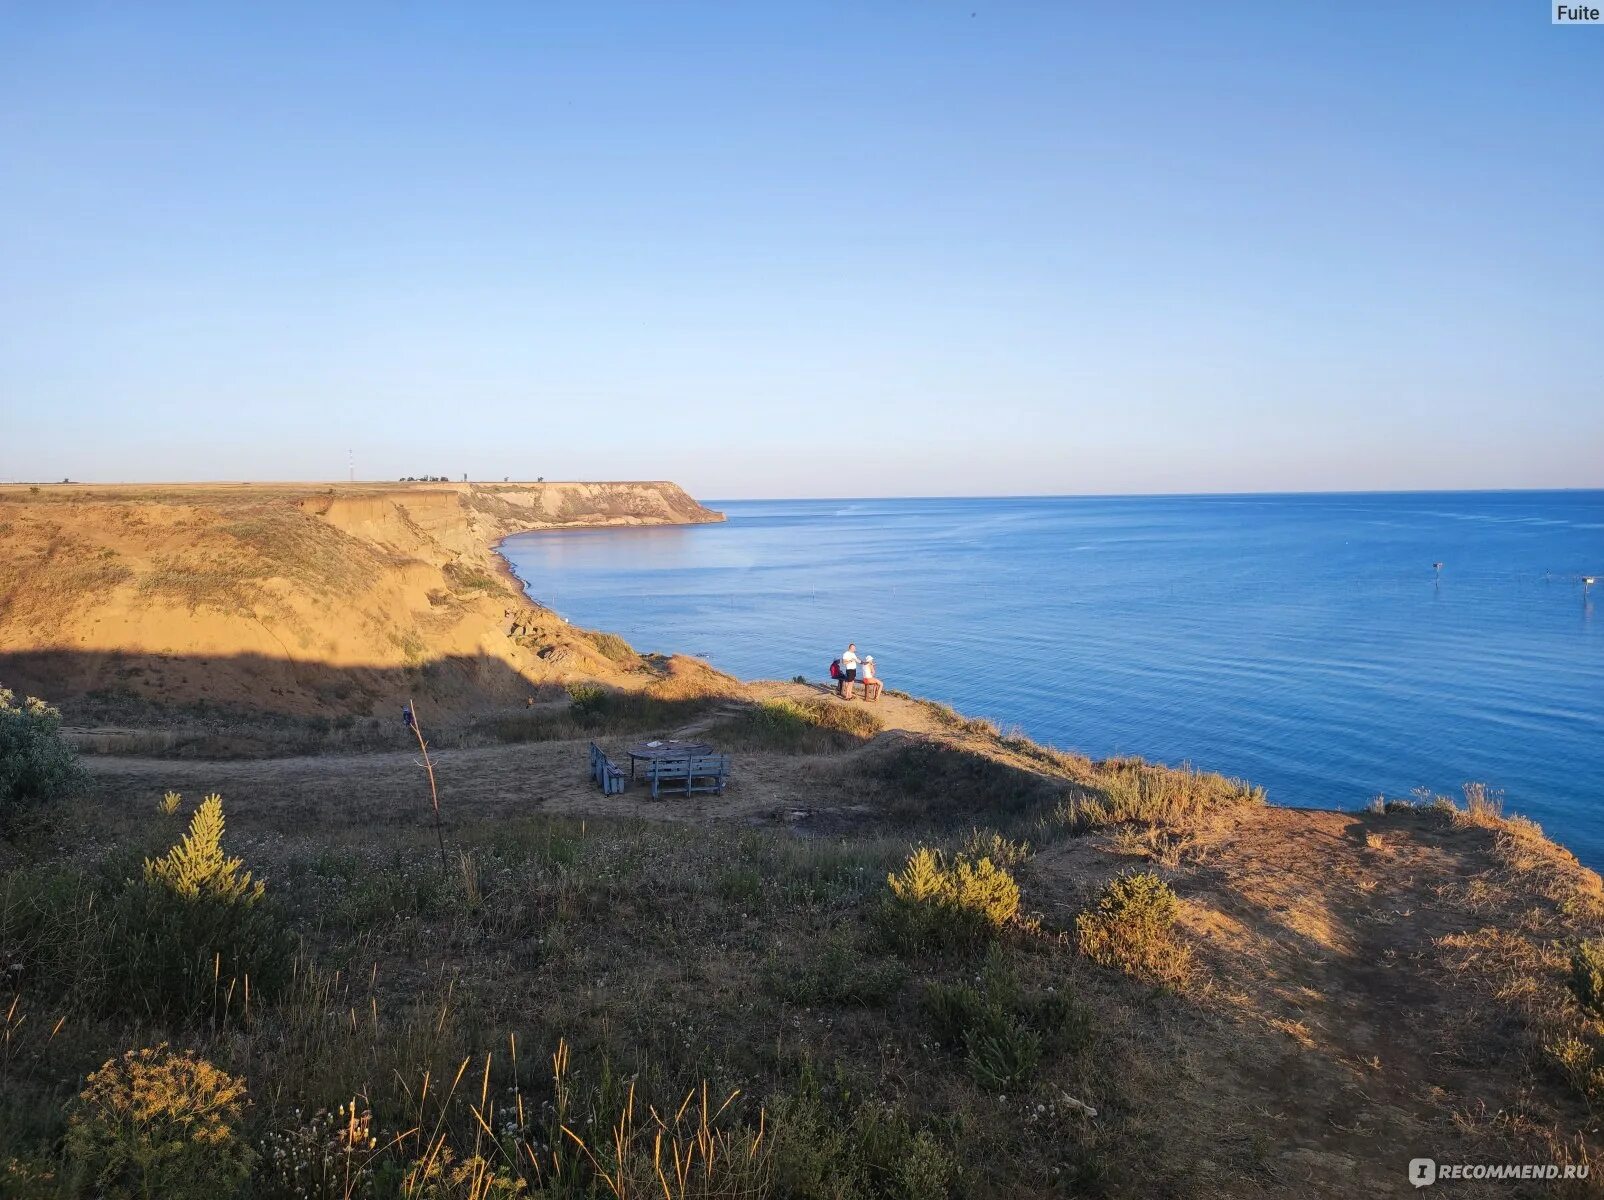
[{"x": 1332, "y": 648}]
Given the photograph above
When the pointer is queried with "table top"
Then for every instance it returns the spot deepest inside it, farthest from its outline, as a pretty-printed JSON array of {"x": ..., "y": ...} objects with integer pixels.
[{"x": 668, "y": 747}]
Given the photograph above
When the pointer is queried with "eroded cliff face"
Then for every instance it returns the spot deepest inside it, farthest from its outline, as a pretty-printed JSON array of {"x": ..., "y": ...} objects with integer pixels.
[
  {"x": 291, "y": 598},
  {"x": 470, "y": 515}
]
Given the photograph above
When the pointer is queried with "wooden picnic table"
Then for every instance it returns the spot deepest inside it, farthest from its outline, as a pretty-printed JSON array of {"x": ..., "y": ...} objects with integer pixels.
[{"x": 667, "y": 748}]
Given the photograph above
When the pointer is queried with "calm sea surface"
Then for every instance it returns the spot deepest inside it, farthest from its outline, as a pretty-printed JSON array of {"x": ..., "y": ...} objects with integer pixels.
[{"x": 1303, "y": 642}]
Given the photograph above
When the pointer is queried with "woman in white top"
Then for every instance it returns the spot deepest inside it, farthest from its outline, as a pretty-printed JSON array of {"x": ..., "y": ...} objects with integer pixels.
[{"x": 871, "y": 681}]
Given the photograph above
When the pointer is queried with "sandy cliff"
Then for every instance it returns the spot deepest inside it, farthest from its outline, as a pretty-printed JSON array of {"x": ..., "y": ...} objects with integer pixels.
[{"x": 293, "y": 598}]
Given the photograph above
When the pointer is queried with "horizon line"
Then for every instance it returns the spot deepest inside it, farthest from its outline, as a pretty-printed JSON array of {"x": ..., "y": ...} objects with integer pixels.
[{"x": 1378, "y": 491}]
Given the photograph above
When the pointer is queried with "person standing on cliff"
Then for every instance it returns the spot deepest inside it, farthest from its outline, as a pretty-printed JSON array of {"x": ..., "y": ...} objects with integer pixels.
[{"x": 849, "y": 670}]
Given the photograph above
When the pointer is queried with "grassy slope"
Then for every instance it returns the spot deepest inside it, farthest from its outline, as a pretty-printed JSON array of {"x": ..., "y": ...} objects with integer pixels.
[
  {"x": 308, "y": 601},
  {"x": 1344, "y": 991}
]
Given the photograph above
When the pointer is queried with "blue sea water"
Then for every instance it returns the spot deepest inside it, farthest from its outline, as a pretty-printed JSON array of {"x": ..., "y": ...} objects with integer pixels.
[{"x": 1304, "y": 642}]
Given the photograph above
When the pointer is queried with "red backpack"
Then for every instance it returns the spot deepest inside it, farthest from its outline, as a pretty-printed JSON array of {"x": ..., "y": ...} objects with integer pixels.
[{"x": 835, "y": 669}]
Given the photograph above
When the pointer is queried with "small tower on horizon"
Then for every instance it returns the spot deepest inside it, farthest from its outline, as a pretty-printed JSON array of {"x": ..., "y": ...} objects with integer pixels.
[{"x": 350, "y": 459}]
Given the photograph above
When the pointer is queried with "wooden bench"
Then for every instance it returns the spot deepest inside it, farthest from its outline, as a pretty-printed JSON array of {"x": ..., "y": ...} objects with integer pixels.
[
  {"x": 605, "y": 772},
  {"x": 684, "y": 774}
]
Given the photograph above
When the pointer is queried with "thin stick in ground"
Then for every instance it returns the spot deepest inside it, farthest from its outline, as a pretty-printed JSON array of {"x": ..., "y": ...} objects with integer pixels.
[{"x": 428, "y": 765}]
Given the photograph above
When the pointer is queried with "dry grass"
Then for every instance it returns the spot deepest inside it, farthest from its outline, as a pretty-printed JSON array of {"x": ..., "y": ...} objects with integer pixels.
[
  {"x": 1128, "y": 789},
  {"x": 437, "y": 997},
  {"x": 813, "y": 726},
  {"x": 613, "y": 647}
]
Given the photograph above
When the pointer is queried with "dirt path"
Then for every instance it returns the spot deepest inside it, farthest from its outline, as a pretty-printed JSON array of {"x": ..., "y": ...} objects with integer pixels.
[{"x": 503, "y": 780}]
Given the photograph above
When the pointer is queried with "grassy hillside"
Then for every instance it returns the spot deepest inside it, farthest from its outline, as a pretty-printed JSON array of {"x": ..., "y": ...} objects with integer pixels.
[
  {"x": 903, "y": 955},
  {"x": 301, "y": 600}
]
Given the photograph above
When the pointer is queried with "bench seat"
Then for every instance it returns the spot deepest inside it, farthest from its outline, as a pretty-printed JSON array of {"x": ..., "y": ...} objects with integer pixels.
[
  {"x": 686, "y": 774},
  {"x": 605, "y": 772}
]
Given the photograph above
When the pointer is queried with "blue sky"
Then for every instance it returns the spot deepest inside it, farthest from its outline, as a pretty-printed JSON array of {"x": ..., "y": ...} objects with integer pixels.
[{"x": 810, "y": 249}]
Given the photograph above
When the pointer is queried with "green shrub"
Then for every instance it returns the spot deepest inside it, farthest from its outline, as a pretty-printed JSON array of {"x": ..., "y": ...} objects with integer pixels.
[
  {"x": 935, "y": 902},
  {"x": 952, "y": 1011},
  {"x": 36, "y": 763},
  {"x": 1005, "y": 852},
  {"x": 195, "y": 936},
  {"x": 1003, "y": 1061},
  {"x": 159, "y": 1124},
  {"x": 1587, "y": 976},
  {"x": 1133, "y": 928},
  {"x": 197, "y": 869},
  {"x": 740, "y": 885},
  {"x": 586, "y": 700},
  {"x": 936, "y": 782}
]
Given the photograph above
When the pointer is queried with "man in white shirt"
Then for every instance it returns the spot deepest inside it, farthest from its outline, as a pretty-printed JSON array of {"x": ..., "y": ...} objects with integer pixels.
[{"x": 849, "y": 669}]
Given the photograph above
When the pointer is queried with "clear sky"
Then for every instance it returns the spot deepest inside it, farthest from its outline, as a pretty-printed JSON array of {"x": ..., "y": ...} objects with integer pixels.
[{"x": 805, "y": 249}]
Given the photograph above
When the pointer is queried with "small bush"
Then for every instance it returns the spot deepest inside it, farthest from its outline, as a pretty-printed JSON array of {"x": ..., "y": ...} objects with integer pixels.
[
  {"x": 155, "y": 1123},
  {"x": 935, "y": 902},
  {"x": 1587, "y": 976},
  {"x": 1133, "y": 928},
  {"x": 168, "y": 805},
  {"x": 1003, "y": 1061},
  {"x": 36, "y": 763},
  {"x": 194, "y": 935},
  {"x": 1005, "y": 852},
  {"x": 466, "y": 578},
  {"x": 740, "y": 885},
  {"x": 196, "y": 868},
  {"x": 933, "y": 781},
  {"x": 586, "y": 700}
]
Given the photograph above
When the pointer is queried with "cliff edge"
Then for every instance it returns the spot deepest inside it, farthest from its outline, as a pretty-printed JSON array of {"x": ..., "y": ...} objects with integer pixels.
[{"x": 292, "y": 598}]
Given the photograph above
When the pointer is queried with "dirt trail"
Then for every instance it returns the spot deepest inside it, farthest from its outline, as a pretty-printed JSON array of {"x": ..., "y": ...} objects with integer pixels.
[{"x": 507, "y": 780}]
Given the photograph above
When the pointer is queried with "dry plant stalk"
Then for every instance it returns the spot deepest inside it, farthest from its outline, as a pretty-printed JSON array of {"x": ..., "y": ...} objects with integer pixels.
[{"x": 434, "y": 791}]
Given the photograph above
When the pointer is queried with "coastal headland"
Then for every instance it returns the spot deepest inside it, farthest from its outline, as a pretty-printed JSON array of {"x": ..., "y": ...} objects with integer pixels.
[
  {"x": 289, "y": 598},
  {"x": 1105, "y": 978}
]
